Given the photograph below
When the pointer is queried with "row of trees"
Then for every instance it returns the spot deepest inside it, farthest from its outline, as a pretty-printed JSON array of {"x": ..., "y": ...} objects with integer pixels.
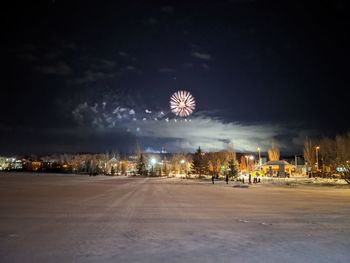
[
  {"x": 199, "y": 164},
  {"x": 78, "y": 163},
  {"x": 176, "y": 164},
  {"x": 332, "y": 153},
  {"x": 202, "y": 163},
  {"x": 214, "y": 163}
]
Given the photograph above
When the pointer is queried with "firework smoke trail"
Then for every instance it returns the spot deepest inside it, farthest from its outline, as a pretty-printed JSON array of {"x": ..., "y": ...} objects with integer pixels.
[
  {"x": 111, "y": 114},
  {"x": 182, "y": 103}
]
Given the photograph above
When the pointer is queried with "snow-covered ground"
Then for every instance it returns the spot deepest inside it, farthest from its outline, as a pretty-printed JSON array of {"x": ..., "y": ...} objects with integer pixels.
[
  {"x": 60, "y": 218},
  {"x": 305, "y": 181}
]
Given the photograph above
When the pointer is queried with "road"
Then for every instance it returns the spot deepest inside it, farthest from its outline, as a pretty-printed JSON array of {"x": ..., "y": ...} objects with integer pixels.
[{"x": 119, "y": 219}]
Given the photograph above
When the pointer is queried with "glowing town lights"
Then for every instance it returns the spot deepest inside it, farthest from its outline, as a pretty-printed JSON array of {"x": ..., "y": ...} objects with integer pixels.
[
  {"x": 182, "y": 103},
  {"x": 153, "y": 161}
]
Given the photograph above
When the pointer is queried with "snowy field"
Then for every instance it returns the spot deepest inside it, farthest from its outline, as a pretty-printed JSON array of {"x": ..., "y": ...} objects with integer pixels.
[{"x": 65, "y": 218}]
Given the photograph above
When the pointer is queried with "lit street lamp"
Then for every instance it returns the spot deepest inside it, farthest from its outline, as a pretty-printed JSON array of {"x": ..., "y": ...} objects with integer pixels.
[
  {"x": 259, "y": 156},
  {"x": 181, "y": 165},
  {"x": 153, "y": 162},
  {"x": 317, "y": 148}
]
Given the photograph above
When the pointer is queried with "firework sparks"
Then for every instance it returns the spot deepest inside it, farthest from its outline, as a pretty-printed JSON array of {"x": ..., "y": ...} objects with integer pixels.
[{"x": 182, "y": 103}]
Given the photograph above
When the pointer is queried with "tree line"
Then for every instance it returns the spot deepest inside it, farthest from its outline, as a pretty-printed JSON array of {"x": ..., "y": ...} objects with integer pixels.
[
  {"x": 329, "y": 155},
  {"x": 199, "y": 164}
]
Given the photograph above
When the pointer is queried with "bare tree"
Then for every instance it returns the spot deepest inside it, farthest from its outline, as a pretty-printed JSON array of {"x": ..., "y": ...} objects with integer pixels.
[
  {"x": 243, "y": 164},
  {"x": 309, "y": 155},
  {"x": 210, "y": 167},
  {"x": 342, "y": 143},
  {"x": 335, "y": 155},
  {"x": 274, "y": 152},
  {"x": 251, "y": 164},
  {"x": 346, "y": 171},
  {"x": 328, "y": 155},
  {"x": 218, "y": 167},
  {"x": 175, "y": 163},
  {"x": 230, "y": 153},
  {"x": 165, "y": 168},
  {"x": 138, "y": 150}
]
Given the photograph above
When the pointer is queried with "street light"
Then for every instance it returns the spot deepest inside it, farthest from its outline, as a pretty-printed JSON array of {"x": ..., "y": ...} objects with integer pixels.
[
  {"x": 250, "y": 157},
  {"x": 259, "y": 156},
  {"x": 181, "y": 164},
  {"x": 317, "y": 148}
]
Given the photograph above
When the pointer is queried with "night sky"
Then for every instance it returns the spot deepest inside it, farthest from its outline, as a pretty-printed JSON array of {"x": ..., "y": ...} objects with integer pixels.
[{"x": 96, "y": 76}]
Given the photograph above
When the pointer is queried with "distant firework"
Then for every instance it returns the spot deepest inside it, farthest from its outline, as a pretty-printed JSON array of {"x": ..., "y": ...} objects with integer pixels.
[{"x": 182, "y": 103}]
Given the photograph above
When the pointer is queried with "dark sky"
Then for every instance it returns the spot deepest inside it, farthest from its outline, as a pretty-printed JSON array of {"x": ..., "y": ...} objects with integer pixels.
[{"x": 98, "y": 75}]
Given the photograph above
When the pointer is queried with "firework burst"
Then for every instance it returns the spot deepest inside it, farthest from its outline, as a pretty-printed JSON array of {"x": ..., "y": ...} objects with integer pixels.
[{"x": 182, "y": 103}]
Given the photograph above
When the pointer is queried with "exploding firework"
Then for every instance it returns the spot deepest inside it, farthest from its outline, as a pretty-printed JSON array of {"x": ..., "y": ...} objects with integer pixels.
[{"x": 182, "y": 103}]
